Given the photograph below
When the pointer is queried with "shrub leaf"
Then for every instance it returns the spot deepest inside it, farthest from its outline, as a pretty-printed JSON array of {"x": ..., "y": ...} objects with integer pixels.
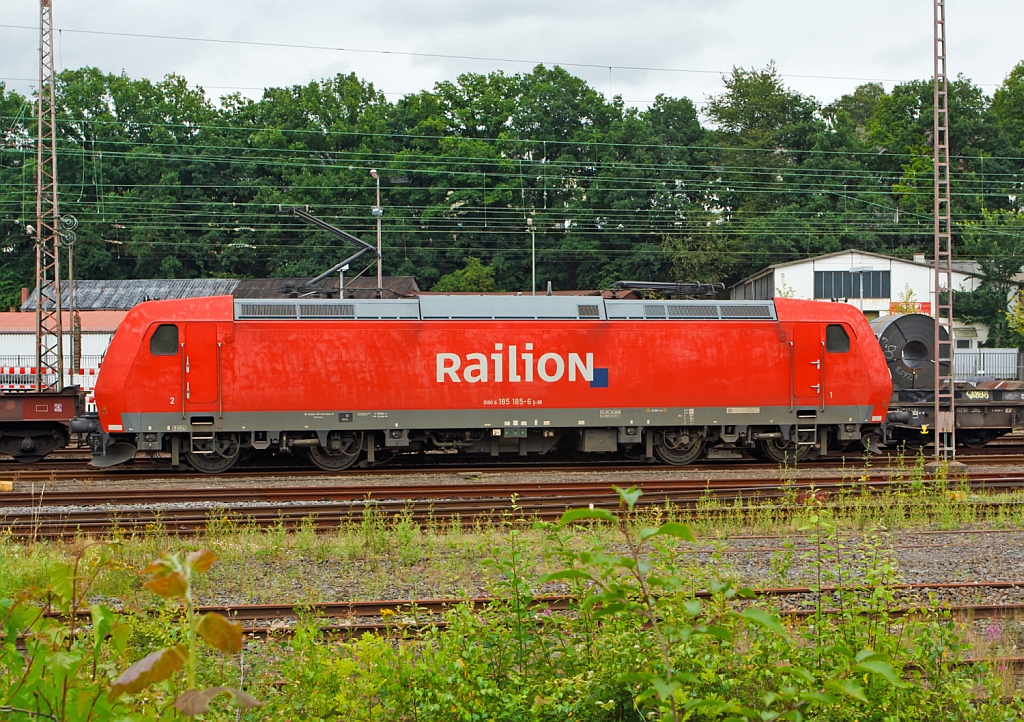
[
  {"x": 884, "y": 670},
  {"x": 221, "y": 633},
  {"x": 848, "y": 687},
  {"x": 195, "y": 702},
  {"x": 764, "y": 619},
  {"x": 169, "y": 585},
  {"x": 577, "y": 514},
  {"x": 663, "y": 688},
  {"x": 679, "y": 531},
  {"x": 629, "y": 496},
  {"x": 201, "y": 560},
  {"x": 154, "y": 667}
]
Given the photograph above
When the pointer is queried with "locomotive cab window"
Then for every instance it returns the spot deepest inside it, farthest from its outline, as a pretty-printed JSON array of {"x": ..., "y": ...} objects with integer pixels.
[
  {"x": 164, "y": 341},
  {"x": 836, "y": 339}
]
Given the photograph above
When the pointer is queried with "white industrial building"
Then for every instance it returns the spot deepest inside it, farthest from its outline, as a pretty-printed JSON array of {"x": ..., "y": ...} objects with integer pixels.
[
  {"x": 18, "y": 336},
  {"x": 877, "y": 285}
]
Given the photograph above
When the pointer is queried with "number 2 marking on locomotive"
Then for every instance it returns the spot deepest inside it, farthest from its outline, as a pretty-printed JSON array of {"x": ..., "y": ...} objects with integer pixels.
[{"x": 172, "y": 401}]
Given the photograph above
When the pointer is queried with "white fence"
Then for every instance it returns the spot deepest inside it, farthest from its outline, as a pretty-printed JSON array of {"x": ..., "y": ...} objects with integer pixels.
[
  {"x": 18, "y": 373},
  {"x": 999, "y": 363}
]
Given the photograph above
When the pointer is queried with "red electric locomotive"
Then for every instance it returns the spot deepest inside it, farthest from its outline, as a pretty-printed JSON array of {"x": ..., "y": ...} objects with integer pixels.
[{"x": 347, "y": 380}]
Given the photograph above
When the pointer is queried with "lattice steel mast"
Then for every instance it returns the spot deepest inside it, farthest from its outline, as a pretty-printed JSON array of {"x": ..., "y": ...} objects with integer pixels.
[
  {"x": 49, "y": 335},
  {"x": 945, "y": 415}
]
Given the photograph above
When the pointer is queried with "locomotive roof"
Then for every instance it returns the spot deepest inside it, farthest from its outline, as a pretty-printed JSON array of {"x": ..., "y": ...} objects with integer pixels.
[{"x": 502, "y": 307}]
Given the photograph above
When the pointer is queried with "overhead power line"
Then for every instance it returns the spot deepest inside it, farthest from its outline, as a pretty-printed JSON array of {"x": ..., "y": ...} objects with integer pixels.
[
  {"x": 451, "y": 56},
  {"x": 536, "y": 142}
]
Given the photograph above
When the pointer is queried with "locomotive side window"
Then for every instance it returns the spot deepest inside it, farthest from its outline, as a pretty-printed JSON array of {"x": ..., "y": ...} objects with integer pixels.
[
  {"x": 836, "y": 339},
  {"x": 164, "y": 341}
]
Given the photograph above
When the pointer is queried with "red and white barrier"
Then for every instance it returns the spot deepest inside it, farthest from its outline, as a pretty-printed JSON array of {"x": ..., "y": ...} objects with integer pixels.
[{"x": 23, "y": 378}]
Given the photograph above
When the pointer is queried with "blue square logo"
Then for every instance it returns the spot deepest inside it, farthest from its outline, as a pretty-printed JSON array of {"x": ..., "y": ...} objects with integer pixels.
[{"x": 600, "y": 379}]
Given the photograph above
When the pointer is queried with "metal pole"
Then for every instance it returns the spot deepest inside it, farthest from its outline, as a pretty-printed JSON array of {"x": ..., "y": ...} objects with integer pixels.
[
  {"x": 380, "y": 258},
  {"x": 533, "y": 255},
  {"x": 49, "y": 332},
  {"x": 71, "y": 315},
  {"x": 944, "y": 409}
]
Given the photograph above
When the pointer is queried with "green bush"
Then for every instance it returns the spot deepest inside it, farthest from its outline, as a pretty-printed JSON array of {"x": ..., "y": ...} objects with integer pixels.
[{"x": 639, "y": 642}]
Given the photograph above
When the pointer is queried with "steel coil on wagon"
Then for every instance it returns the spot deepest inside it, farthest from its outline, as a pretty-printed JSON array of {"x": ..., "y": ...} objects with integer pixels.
[{"x": 908, "y": 343}]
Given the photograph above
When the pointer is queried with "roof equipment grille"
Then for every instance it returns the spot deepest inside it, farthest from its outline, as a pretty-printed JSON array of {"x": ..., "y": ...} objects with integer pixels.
[
  {"x": 341, "y": 310},
  {"x": 632, "y": 309},
  {"x": 266, "y": 310},
  {"x": 701, "y": 311},
  {"x": 746, "y": 311},
  {"x": 325, "y": 310},
  {"x": 588, "y": 311}
]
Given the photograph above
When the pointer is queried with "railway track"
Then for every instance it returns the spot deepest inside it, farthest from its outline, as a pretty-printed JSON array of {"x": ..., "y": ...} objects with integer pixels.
[
  {"x": 766, "y": 488},
  {"x": 409, "y": 616},
  {"x": 174, "y": 511},
  {"x": 425, "y": 609},
  {"x": 76, "y": 469}
]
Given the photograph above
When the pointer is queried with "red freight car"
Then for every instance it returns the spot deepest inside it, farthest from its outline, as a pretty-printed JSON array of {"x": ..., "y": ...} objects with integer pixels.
[
  {"x": 345, "y": 380},
  {"x": 32, "y": 424}
]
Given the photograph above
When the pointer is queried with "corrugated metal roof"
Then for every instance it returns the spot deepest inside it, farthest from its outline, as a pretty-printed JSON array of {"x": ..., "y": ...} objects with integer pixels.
[
  {"x": 123, "y": 295},
  {"x": 394, "y": 287},
  {"x": 92, "y": 322}
]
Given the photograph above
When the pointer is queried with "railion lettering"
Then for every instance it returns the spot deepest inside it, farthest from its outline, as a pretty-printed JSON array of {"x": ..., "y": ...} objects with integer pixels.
[{"x": 518, "y": 366}]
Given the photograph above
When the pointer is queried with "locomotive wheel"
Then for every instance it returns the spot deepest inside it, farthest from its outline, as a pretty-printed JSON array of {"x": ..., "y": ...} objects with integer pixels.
[
  {"x": 337, "y": 459},
  {"x": 782, "y": 452},
  {"x": 226, "y": 451},
  {"x": 670, "y": 450}
]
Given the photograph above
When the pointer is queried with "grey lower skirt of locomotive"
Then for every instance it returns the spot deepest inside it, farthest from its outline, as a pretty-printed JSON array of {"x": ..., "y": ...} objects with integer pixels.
[{"x": 986, "y": 408}]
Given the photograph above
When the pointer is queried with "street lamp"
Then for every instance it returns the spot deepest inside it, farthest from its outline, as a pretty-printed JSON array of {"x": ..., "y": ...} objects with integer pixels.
[
  {"x": 377, "y": 213},
  {"x": 533, "y": 254}
]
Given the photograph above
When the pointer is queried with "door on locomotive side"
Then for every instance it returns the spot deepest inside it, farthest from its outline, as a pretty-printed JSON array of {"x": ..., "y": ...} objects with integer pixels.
[
  {"x": 807, "y": 364},
  {"x": 842, "y": 371},
  {"x": 154, "y": 381},
  {"x": 200, "y": 363}
]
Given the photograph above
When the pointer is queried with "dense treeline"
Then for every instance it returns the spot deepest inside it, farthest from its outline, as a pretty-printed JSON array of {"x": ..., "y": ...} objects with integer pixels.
[{"x": 166, "y": 183}]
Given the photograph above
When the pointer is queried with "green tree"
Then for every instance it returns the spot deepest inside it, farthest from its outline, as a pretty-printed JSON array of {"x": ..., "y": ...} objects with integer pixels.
[
  {"x": 17, "y": 197},
  {"x": 1008, "y": 107},
  {"x": 997, "y": 244},
  {"x": 474, "y": 277},
  {"x": 855, "y": 109}
]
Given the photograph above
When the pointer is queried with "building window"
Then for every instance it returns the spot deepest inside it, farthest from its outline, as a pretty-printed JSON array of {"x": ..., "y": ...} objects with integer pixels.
[
  {"x": 836, "y": 339},
  {"x": 871, "y": 284},
  {"x": 833, "y": 284},
  {"x": 963, "y": 343},
  {"x": 164, "y": 341}
]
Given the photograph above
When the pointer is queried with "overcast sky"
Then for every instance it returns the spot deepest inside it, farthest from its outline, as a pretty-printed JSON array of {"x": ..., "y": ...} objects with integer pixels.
[{"x": 850, "y": 41}]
